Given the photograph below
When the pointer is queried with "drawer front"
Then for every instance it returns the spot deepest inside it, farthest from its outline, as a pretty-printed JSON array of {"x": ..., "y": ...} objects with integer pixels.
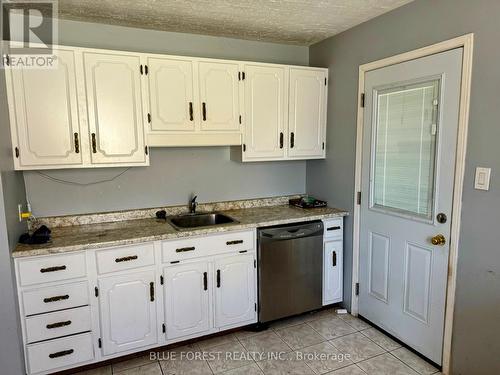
[
  {"x": 53, "y": 298},
  {"x": 58, "y": 324},
  {"x": 124, "y": 258},
  {"x": 54, "y": 354},
  {"x": 334, "y": 228},
  {"x": 204, "y": 246},
  {"x": 51, "y": 268}
]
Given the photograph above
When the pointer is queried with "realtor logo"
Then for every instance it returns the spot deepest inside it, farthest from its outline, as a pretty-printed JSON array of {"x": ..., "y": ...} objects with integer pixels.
[{"x": 28, "y": 29}]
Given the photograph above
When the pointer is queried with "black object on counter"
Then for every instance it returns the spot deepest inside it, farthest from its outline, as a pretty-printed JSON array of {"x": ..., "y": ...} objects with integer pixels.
[
  {"x": 307, "y": 202},
  {"x": 40, "y": 236},
  {"x": 161, "y": 215}
]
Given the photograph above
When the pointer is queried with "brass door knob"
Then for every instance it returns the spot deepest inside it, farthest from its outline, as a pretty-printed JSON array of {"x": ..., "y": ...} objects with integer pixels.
[{"x": 438, "y": 240}]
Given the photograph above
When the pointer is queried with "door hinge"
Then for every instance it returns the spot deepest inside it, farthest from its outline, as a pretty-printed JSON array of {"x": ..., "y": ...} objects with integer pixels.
[
  {"x": 357, "y": 289},
  {"x": 244, "y": 147},
  {"x": 17, "y": 152},
  {"x": 96, "y": 291},
  {"x": 163, "y": 328},
  {"x": 362, "y": 100},
  {"x": 99, "y": 343},
  {"x": 149, "y": 118},
  {"x": 161, "y": 280},
  {"x": 240, "y": 119},
  {"x": 146, "y": 150},
  {"x": 359, "y": 198}
]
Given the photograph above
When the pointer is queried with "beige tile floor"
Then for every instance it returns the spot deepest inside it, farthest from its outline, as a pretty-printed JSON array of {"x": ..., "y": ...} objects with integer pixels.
[{"x": 317, "y": 343}]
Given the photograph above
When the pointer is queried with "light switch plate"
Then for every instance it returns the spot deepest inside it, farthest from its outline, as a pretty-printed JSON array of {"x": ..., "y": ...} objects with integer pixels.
[{"x": 482, "y": 180}]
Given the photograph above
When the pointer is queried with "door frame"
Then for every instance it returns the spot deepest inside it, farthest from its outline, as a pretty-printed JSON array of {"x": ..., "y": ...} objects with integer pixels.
[{"x": 466, "y": 42}]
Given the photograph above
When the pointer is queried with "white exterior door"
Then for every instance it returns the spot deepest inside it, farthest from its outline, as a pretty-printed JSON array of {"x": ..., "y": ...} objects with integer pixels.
[
  {"x": 171, "y": 94},
  {"x": 409, "y": 148},
  {"x": 45, "y": 114},
  {"x": 332, "y": 272},
  {"x": 128, "y": 311},
  {"x": 114, "y": 98},
  {"x": 265, "y": 112},
  {"x": 235, "y": 298},
  {"x": 307, "y": 113},
  {"x": 219, "y": 96},
  {"x": 187, "y": 299}
]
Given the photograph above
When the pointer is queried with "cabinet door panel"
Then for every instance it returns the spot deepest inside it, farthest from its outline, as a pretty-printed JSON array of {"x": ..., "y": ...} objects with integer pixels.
[
  {"x": 46, "y": 113},
  {"x": 171, "y": 94},
  {"x": 264, "y": 112},
  {"x": 219, "y": 96},
  {"x": 128, "y": 314},
  {"x": 235, "y": 290},
  {"x": 186, "y": 299},
  {"x": 307, "y": 116},
  {"x": 332, "y": 272},
  {"x": 116, "y": 119}
]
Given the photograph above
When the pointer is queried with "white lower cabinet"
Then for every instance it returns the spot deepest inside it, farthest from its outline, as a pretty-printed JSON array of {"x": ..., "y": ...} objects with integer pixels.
[
  {"x": 235, "y": 290},
  {"x": 187, "y": 299},
  {"x": 332, "y": 271},
  {"x": 127, "y": 311}
]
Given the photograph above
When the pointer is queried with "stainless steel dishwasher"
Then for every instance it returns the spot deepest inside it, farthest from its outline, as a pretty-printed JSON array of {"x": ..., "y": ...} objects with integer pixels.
[{"x": 290, "y": 273}]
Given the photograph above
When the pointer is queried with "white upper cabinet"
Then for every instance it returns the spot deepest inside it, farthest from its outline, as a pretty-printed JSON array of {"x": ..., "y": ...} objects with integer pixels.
[
  {"x": 171, "y": 94},
  {"x": 219, "y": 96},
  {"x": 128, "y": 311},
  {"x": 265, "y": 113},
  {"x": 114, "y": 99},
  {"x": 103, "y": 108},
  {"x": 235, "y": 290},
  {"x": 307, "y": 113},
  {"x": 44, "y": 115}
]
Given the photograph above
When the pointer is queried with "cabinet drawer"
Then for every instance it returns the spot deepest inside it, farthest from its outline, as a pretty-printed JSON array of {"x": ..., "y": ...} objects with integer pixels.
[
  {"x": 334, "y": 228},
  {"x": 203, "y": 246},
  {"x": 51, "y": 268},
  {"x": 124, "y": 258},
  {"x": 54, "y": 354},
  {"x": 58, "y": 324},
  {"x": 55, "y": 298}
]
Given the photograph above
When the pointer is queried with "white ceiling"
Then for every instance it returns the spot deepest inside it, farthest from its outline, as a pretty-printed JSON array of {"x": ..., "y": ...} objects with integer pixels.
[{"x": 301, "y": 22}]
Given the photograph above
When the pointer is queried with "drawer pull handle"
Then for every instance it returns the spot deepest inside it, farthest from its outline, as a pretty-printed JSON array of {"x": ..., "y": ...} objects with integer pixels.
[
  {"x": 55, "y": 298},
  {"x": 53, "y": 269},
  {"x": 191, "y": 117},
  {"x": 205, "y": 281},
  {"x": 59, "y": 324},
  {"x": 61, "y": 353},
  {"x": 333, "y": 228},
  {"x": 184, "y": 249},
  {"x": 152, "y": 291},
  {"x": 218, "y": 278},
  {"x": 204, "y": 111},
  {"x": 94, "y": 144},
  {"x": 334, "y": 259},
  {"x": 126, "y": 259},
  {"x": 235, "y": 242}
]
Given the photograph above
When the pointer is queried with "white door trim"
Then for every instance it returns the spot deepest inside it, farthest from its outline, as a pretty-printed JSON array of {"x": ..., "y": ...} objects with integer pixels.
[{"x": 466, "y": 42}]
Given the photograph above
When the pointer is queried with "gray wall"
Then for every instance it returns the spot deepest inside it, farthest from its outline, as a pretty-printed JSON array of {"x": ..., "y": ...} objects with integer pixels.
[
  {"x": 174, "y": 173},
  {"x": 11, "y": 193},
  {"x": 476, "y": 338}
]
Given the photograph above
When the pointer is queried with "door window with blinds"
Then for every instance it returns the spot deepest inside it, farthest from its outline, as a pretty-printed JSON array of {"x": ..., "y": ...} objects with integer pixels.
[{"x": 404, "y": 149}]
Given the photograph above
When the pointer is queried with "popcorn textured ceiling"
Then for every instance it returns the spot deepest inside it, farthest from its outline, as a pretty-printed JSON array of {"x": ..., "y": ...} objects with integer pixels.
[{"x": 300, "y": 22}]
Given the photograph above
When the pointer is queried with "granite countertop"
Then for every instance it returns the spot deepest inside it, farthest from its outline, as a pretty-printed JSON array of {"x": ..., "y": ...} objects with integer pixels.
[{"x": 93, "y": 236}]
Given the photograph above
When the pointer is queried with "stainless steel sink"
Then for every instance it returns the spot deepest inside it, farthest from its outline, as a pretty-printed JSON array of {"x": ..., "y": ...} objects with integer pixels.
[{"x": 199, "y": 220}]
